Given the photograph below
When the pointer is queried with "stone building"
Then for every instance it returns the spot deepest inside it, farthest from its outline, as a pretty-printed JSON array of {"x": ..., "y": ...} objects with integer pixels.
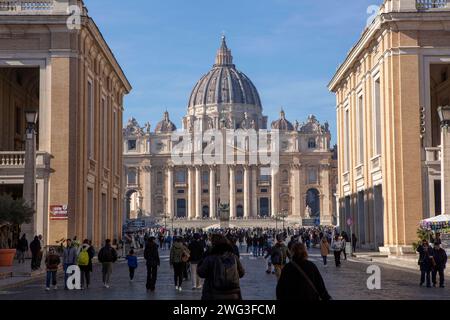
[
  {"x": 226, "y": 99},
  {"x": 388, "y": 90},
  {"x": 64, "y": 70}
]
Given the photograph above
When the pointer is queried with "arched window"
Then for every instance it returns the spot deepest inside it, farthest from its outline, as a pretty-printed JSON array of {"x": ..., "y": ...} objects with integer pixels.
[
  {"x": 239, "y": 177},
  {"x": 311, "y": 143},
  {"x": 180, "y": 176},
  {"x": 159, "y": 178},
  {"x": 131, "y": 177}
]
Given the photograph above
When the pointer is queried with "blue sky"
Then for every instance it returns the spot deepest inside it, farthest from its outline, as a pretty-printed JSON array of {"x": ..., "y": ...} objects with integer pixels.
[{"x": 290, "y": 49}]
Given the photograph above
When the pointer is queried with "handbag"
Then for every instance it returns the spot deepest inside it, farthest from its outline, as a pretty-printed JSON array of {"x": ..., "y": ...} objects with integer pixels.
[{"x": 308, "y": 280}]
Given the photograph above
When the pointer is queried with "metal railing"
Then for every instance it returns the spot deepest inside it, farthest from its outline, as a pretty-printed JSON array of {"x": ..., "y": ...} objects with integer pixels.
[{"x": 431, "y": 4}]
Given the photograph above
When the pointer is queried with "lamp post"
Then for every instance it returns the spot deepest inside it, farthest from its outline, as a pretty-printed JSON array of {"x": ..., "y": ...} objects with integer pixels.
[
  {"x": 29, "y": 181},
  {"x": 444, "y": 116}
]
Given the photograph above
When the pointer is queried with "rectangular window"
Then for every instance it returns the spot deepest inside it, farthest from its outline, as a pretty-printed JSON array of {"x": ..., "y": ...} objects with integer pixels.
[
  {"x": 347, "y": 141},
  {"x": 377, "y": 118},
  {"x": 105, "y": 133},
  {"x": 360, "y": 130},
  {"x": 131, "y": 145},
  {"x": 90, "y": 119}
]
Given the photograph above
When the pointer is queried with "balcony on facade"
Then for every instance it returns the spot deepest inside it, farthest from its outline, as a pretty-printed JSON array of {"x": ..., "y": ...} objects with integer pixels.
[
  {"x": 12, "y": 164},
  {"x": 431, "y": 4},
  {"x": 38, "y": 7},
  {"x": 359, "y": 177}
]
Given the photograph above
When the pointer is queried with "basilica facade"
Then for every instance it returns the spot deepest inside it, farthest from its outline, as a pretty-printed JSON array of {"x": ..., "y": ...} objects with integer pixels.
[{"x": 301, "y": 188}]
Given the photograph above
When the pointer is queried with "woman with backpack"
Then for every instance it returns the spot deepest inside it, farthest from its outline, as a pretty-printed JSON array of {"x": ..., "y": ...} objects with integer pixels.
[
  {"x": 179, "y": 255},
  {"x": 221, "y": 270},
  {"x": 84, "y": 261}
]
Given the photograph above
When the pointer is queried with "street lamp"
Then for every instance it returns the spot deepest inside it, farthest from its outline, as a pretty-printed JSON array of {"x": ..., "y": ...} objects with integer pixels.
[
  {"x": 29, "y": 181},
  {"x": 444, "y": 116}
]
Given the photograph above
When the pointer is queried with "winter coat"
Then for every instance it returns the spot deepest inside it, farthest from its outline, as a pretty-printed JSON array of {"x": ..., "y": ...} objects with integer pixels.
[
  {"x": 70, "y": 255},
  {"x": 440, "y": 257},
  {"x": 197, "y": 251},
  {"x": 107, "y": 254},
  {"x": 52, "y": 262},
  {"x": 177, "y": 251},
  {"x": 337, "y": 245},
  {"x": 205, "y": 270},
  {"x": 91, "y": 253},
  {"x": 293, "y": 286},
  {"x": 324, "y": 248},
  {"x": 132, "y": 261},
  {"x": 35, "y": 246},
  {"x": 425, "y": 257},
  {"x": 279, "y": 254},
  {"x": 22, "y": 245},
  {"x": 151, "y": 255}
]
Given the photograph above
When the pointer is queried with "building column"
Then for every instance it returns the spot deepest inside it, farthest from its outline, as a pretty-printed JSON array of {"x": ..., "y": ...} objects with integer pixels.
[
  {"x": 212, "y": 192},
  {"x": 169, "y": 209},
  {"x": 191, "y": 197},
  {"x": 445, "y": 169},
  {"x": 232, "y": 192},
  {"x": 246, "y": 192},
  {"x": 325, "y": 211},
  {"x": 198, "y": 192},
  {"x": 148, "y": 189},
  {"x": 295, "y": 190},
  {"x": 274, "y": 192},
  {"x": 254, "y": 209}
]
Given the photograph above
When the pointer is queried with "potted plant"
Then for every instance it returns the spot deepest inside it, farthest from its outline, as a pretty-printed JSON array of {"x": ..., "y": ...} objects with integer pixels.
[{"x": 13, "y": 212}]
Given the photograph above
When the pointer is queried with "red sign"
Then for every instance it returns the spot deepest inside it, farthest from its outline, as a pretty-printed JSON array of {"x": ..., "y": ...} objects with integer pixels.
[{"x": 58, "y": 212}]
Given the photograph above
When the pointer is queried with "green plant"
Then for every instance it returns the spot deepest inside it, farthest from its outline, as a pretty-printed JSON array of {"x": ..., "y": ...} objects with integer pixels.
[
  {"x": 13, "y": 212},
  {"x": 422, "y": 234}
]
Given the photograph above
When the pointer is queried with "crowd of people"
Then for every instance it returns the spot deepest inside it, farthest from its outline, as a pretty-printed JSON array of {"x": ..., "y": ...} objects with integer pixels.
[{"x": 211, "y": 258}]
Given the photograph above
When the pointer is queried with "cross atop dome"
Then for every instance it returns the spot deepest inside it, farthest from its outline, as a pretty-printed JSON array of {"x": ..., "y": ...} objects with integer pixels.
[{"x": 224, "y": 57}]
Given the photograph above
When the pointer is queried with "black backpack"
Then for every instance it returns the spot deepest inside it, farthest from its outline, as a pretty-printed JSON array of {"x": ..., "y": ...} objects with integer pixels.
[{"x": 226, "y": 274}]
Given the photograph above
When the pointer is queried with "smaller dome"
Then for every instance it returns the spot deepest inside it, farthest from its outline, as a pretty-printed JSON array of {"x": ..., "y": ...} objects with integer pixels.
[
  {"x": 165, "y": 125},
  {"x": 282, "y": 124}
]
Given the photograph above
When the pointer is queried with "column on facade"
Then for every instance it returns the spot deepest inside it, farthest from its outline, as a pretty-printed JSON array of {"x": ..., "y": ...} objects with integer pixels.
[
  {"x": 326, "y": 212},
  {"x": 232, "y": 192},
  {"x": 246, "y": 192},
  {"x": 191, "y": 197},
  {"x": 274, "y": 191},
  {"x": 198, "y": 192},
  {"x": 212, "y": 192},
  {"x": 147, "y": 170},
  {"x": 295, "y": 190},
  {"x": 254, "y": 189},
  {"x": 170, "y": 200}
]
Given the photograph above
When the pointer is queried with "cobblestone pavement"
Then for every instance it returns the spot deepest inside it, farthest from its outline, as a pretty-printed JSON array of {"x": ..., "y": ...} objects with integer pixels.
[{"x": 347, "y": 282}]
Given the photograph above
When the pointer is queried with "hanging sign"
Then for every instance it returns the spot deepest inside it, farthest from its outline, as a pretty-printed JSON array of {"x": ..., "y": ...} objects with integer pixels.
[{"x": 58, "y": 212}]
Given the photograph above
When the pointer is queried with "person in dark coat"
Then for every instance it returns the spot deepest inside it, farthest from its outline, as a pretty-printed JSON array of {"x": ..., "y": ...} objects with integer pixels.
[
  {"x": 293, "y": 284},
  {"x": 151, "y": 256},
  {"x": 425, "y": 262},
  {"x": 22, "y": 248},
  {"x": 87, "y": 269},
  {"x": 35, "y": 248},
  {"x": 440, "y": 257},
  {"x": 197, "y": 249},
  {"x": 221, "y": 254}
]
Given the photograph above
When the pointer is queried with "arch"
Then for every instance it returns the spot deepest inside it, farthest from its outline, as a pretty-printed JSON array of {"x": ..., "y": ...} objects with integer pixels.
[
  {"x": 181, "y": 209},
  {"x": 205, "y": 211},
  {"x": 132, "y": 198},
  {"x": 240, "y": 211},
  {"x": 313, "y": 201}
]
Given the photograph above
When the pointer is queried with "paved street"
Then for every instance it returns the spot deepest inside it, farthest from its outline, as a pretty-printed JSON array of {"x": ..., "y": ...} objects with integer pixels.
[{"x": 348, "y": 282}]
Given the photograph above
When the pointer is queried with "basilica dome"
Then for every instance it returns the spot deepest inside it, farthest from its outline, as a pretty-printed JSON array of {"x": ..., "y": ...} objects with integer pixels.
[
  {"x": 224, "y": 84},
  {"x": 165, "y": 125},
  {"x": 282, "y": 124}
]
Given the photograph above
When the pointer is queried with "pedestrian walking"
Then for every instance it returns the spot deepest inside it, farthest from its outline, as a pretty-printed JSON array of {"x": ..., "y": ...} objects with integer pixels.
[
  {"x": 69, "y": 259},
  {"x": 324, "y": 250},
  {"x": 278, "y": 256},
  {"x": 52, "y": 262},
  {"x": 151, "y": 256},
  {"x": 197, "y": 251},
  {"x": 344, "y": 240},
  {"x": 440, "y": 258},
  {"x": 336, "y": 246},
  {"x": 85, "y": 255},
  {"x": 222, "y": 271},
  {"x": 107, "y": 256},
  {"x": 300, "y": 279},
  {"x": 132, "y": 263},
  {"x": 35, "y": 248},
  {"x": 179, "y": 255},
  {"x": 22, "y": 248},
  {"x": 354, "y": 242},
  {"x": 426, "y": 262}
]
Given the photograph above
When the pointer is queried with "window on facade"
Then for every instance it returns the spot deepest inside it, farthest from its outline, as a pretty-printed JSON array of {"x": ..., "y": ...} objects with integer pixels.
[
  {"x": 377, "y": 118},
  {"x": 239, "y": 177},
  {"x": 205, "y": 177},
  {"x": 114, "y": 142},
  {"x": 131, "y": 145},
  {"x": 180, "y": 176},
  {"x": 311, "y": 143},
  {"x": 346, "y": 141},
  {"x": 264, "y": 174},
  {"x": 132, "y": 176},
  {"x": 90, "y": 122},
  {"x": 180, "y": 191},
  {"x": 312, "y": 176},
  {"x": 360, "y": 130},
  {"x": 285, "y": 177},
  {"x": 105, "y": 132},
  {"x": 159, "y": 178},
  {"x": 263, "y": 190}
]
